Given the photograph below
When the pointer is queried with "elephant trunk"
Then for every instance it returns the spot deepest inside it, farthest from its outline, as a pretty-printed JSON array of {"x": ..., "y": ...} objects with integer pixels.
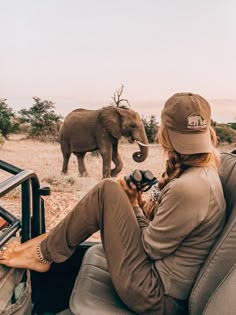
[
  {"x": 141, "y": 155},
  {"x": 143, "y": 146}
]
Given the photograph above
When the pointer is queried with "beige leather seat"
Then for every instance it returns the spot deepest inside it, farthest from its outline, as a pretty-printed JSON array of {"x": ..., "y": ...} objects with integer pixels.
[{"x": 214, "y": 292}]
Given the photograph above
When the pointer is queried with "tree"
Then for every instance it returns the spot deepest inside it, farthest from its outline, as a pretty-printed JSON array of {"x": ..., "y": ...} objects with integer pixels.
[
  {"x": 118, "y": 100},
  {"x": 8, "y": 123},
  {"x": 42, "y": 119}
]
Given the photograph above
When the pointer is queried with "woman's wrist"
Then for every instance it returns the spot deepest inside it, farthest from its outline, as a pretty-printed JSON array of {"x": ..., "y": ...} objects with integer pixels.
[
  {"x": 138, "y": 210},
  {"x": 134, "y": 203}
]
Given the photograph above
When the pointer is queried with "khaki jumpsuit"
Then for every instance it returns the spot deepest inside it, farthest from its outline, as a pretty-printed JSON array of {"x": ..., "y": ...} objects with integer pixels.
[{"x": 135, "y": 247}]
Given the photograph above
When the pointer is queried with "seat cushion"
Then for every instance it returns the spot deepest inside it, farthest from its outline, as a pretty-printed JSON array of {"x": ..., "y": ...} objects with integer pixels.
[{"x": 93, "y": 292}]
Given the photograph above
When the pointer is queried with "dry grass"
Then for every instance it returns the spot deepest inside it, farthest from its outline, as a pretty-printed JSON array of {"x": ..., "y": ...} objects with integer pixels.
[{"x": 45, "y": 159}]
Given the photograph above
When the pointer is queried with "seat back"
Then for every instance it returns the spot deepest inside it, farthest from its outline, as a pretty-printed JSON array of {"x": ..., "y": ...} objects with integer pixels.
[{"x": 214, "y": 291}]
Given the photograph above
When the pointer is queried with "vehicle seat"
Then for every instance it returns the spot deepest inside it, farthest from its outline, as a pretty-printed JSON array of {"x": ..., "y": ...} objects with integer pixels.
[
  {"x": 214, "y": 292},
  {"x": 93, "y": 292}
]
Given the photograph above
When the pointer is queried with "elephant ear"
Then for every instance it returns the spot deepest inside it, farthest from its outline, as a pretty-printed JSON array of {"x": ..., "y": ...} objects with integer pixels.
[{"x": 111, "y": 120}]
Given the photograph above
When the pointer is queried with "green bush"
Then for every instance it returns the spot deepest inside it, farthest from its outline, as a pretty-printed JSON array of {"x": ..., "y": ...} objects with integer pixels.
[
  {"x": 1, "y": 140},
  {"x": 225, "y": 133},
  {"x": 8, "y": 123},
  {"x": 232, "y": 125},
  {"x": 151, "y": 128}
]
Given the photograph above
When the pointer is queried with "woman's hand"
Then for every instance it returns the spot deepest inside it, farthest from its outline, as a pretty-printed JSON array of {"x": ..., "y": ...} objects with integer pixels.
[
  {"x": 131, "y": 192},
  {"x": 141, "y": 201}
]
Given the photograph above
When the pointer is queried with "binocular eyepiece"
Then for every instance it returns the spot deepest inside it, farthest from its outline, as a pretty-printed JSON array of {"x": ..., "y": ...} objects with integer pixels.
[{"x": 143, "y": 180}]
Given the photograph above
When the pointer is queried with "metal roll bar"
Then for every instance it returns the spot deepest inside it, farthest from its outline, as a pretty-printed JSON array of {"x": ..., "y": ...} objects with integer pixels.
[{"x": 32, "y": 222}]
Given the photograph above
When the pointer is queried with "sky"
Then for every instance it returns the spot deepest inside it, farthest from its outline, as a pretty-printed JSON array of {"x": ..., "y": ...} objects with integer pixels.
[{"x": 77, "y": 53}]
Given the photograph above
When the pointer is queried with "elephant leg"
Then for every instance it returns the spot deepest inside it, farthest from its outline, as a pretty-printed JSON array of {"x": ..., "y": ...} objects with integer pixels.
[
  {"x": 81, "y": 165},
  {"x": 116, "y": 158},
  {"x": 66, "y": 157},
  {"x": 106, "y": 157}
]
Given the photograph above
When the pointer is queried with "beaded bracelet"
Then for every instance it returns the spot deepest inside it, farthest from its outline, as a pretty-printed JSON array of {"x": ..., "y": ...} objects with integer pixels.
[{"x": 40, "y": 256}]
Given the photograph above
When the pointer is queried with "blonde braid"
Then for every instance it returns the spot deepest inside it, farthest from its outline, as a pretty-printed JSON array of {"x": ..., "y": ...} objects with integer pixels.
[{"x": 173, "y": 169}]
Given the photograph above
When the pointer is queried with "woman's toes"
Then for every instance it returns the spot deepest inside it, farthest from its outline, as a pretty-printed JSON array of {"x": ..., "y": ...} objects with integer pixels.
[
  {"x": 5, "y": 253},
  {"x": 13, "y": 244}
]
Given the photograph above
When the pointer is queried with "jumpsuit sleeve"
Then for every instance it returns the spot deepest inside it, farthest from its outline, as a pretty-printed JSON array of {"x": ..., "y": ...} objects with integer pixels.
[
  {"x": 176, "y": 217},
  {"x": 142, "y": 220}
]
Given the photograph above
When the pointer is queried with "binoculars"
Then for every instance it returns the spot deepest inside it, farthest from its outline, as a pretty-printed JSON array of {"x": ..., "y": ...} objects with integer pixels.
[{"x": 143, "y": 180}]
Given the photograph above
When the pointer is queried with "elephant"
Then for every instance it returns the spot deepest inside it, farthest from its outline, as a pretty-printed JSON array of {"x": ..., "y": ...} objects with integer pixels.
[{"x": 86, "y": 130}]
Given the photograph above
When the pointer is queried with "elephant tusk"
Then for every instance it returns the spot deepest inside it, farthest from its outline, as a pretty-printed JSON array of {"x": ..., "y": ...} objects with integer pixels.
[{"x": 142, "y": 144}]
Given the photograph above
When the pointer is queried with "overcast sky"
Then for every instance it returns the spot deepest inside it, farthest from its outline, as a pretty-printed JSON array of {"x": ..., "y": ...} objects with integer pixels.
[{"x": 78, "y": 52}]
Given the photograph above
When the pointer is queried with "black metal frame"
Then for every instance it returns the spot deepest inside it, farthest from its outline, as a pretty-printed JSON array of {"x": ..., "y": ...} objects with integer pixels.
[{"x": 32, "y": 222}]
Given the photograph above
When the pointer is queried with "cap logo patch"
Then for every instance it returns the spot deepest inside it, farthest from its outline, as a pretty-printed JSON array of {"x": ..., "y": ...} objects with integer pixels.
[{"x": 195, "y": 121}]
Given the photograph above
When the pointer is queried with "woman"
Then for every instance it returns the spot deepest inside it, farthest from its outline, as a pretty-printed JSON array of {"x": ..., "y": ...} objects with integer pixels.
[{"x": 153, "y": 258}]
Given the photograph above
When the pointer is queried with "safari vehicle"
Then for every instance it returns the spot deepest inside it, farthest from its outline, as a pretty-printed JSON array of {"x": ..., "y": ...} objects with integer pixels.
[{"x": 82, "y": 284}]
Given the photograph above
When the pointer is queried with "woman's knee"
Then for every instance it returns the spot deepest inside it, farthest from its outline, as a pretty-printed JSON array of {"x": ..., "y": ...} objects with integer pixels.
[
  {"x": 112, "y": 192},
  {"x": 110, "y": 185}
]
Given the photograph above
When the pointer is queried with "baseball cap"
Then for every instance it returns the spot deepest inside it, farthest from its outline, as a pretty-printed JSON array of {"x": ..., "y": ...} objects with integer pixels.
[{"x": 187, "y": 117}]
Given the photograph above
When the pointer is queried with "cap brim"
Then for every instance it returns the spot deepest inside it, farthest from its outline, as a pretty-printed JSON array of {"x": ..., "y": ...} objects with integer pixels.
[{"x": 191, "y": 143}]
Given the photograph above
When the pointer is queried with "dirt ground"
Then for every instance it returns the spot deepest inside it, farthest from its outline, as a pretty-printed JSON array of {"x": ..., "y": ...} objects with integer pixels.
[{"x": 45, "y": 159}]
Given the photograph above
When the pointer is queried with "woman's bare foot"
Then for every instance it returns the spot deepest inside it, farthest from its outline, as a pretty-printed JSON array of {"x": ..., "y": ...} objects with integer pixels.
[
  {"x": 24, "y": 255},
  {"x": 14, "y": 244}
]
